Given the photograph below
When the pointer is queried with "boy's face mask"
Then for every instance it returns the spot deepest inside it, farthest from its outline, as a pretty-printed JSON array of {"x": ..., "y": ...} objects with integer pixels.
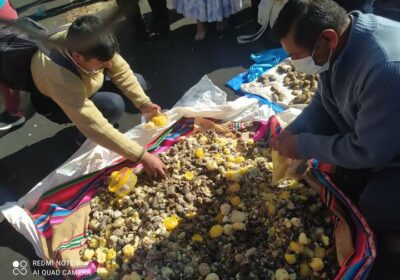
[{"x": 308, "y": 66}]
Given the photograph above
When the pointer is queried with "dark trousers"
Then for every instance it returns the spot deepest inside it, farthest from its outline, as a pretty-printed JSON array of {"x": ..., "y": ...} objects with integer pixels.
[
  {"x": 160, "y": 16},
  {"x": 365, "y": 6},
  {"x": 159, "y": 9},
  {"x": 110, "y": 104},
  {"x": 377, "y": 194}
]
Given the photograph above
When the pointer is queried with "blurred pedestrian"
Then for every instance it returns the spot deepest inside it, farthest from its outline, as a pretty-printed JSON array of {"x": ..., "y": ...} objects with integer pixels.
[
  {"x": 160, "y": 21},
  {"x": 12, "y": 116},
  {"x": 208, "y": 11}
]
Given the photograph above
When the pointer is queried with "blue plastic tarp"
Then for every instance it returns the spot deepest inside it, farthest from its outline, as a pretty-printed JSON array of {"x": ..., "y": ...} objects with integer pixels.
[{"x": 263, "y": 62}]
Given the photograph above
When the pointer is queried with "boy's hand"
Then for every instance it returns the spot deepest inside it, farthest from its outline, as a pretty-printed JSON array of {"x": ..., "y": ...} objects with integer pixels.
[
  {"x": 150, "y": 109},
  {"x": 153, "y": 165}
]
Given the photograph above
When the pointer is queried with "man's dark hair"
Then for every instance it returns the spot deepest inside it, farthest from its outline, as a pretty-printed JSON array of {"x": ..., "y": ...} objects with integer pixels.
[
  {"x": 102, "y": 46},
  {"x": 306, "y": 19}
]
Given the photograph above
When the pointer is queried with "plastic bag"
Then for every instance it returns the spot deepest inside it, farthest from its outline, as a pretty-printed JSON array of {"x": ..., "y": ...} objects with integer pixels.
[
  {"x": 203, "y": 93},
  {"x": 122, "y": 182},
  {"x": 286, "y": 168}
]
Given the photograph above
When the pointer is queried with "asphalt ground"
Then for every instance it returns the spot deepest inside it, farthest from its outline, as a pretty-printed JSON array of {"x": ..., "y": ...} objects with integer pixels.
[{"x": 39, "y": 146}]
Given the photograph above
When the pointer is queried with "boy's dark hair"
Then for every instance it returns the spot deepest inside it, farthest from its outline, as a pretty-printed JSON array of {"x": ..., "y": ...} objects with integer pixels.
[
  {"x": 306, "y": 19},
  {"x": 102, "y": 47}
]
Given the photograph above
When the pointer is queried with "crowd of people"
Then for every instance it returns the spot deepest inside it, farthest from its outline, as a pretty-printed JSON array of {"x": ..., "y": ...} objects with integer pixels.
[
  {"x": 351, "y": 122},
  {"x": 204, "y": 12}
]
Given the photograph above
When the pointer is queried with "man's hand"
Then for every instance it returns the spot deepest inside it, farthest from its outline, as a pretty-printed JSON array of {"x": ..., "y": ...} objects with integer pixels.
[
  {"x": 286, "y": 144},
  {"x": 153, "y": 165},
  {"x": 150, "y": 109}
]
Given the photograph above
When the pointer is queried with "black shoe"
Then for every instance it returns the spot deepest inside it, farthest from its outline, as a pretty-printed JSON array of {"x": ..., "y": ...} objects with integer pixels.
[
  {"x": 141, "y": 34},
  {"x": 8, "y": 121},
  {"x": 161, "y": 42}
]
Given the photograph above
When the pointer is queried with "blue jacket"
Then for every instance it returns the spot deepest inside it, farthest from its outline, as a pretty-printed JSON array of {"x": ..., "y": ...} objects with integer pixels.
[{"x": 353, "y": 120}]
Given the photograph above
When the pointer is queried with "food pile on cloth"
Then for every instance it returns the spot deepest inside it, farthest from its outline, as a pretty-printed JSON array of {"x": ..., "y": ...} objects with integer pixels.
[{"x": 220, "y": 213}]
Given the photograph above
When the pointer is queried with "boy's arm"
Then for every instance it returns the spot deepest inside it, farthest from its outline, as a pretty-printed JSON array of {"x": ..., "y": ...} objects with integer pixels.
[{"x": 123, "y": 77}]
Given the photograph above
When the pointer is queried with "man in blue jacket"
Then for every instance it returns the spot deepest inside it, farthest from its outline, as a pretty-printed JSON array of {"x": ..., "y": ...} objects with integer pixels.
[{"x": 353, "y": 121}]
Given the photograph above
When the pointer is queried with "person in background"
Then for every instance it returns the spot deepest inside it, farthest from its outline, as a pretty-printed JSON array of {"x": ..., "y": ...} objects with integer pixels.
[
  {"x": 352, "y": 121},
  {"x": 12, "y": 116},
  {"x": 160, "y": 24},
  {"x": 207, "y": 11}
]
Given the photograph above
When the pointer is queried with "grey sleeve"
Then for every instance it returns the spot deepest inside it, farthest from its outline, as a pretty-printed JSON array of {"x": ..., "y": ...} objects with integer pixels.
[
  {"x": 314, "y": 118},
  {"x": 375, "y": 141}
]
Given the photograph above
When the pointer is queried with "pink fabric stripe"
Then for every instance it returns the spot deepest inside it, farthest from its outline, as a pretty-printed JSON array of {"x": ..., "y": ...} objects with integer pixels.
[
  {"x": 7, "y": 11},
  {"x": 362, "y": 238},
  {"x": 59, "y": 219},
  {"x": 48, "y": 233},
  {"x": 59, "y": 197},
  {"x": 262, "y": 131},
  {"x": 11, "y": 100},
  {"x": 81, "y": 273}
]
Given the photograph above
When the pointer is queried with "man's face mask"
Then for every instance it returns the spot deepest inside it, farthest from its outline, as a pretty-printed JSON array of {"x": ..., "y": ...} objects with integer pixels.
[{"x": 308, "y": 66}]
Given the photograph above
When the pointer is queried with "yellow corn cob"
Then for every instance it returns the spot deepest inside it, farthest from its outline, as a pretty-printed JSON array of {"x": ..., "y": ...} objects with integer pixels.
[
  {"x": 197, "y": 238},
  {"x": 235, "y": 201},
  {"x": 128, "y": 251},
  {"x": 319, "y": 252},
  {"x": 150, "y": 125},
  {"x": 189, "y": 175},
  {"x": 111, "y": 254},
  {"x": 216, "y": 231},
  {"x": 316, "y": 264},
  {"x": 233, "y": 188},
  {"x": 93, "y": 243},
  {"x": 203, "y": 140},
  {"x": 87, "y": 255},
  {"x": 160, "y": 120},
  {"x": 290, "y": 258},
  {"x": 239, "y": 159},
  {"x": 296, "y": 247},
  {"x": 325, "y": 240},
  {"x": 199, "y": 153},
  {"x": 171, "y": 222},
  {"x": 103, "y": 272}
]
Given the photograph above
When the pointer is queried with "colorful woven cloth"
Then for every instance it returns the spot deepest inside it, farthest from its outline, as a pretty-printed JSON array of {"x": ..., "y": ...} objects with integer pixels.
[
  {"x": 355, "y": 259},
  {"x": 61, "y": 215}
]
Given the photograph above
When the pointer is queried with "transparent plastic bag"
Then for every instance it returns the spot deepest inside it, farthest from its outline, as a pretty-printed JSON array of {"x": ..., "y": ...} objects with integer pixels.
[
  {"x": 122, "y": 182},
  {"x": 204, "y": 93}
]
